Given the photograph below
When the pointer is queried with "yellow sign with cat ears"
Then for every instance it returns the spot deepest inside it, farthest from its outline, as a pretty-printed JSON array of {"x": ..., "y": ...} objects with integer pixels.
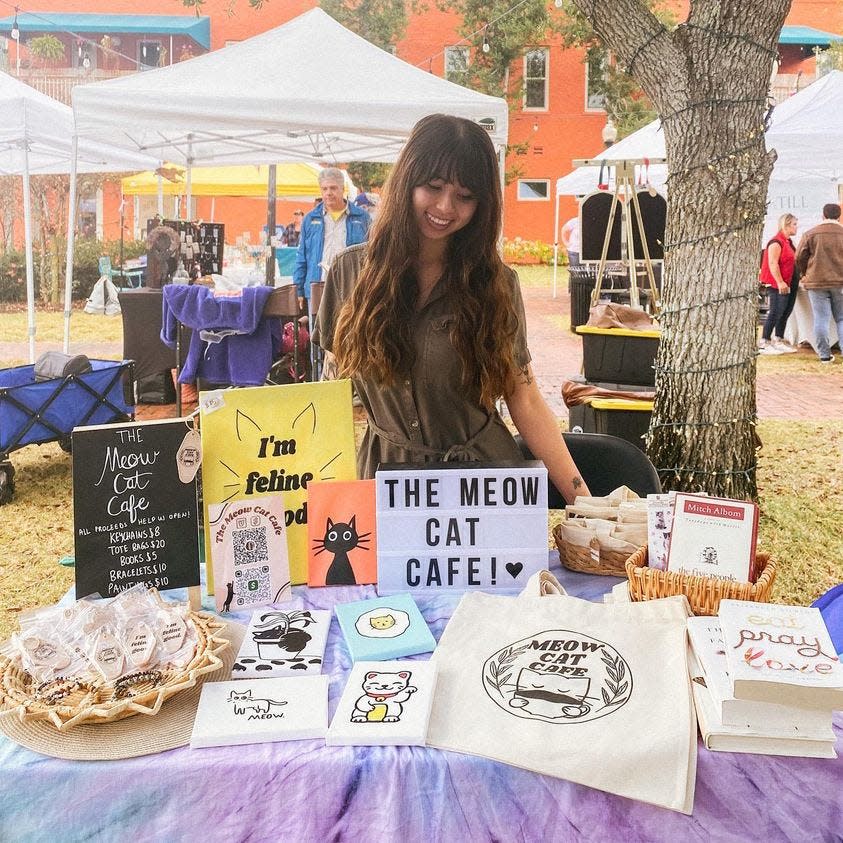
[{"x": 274, "y": 440}]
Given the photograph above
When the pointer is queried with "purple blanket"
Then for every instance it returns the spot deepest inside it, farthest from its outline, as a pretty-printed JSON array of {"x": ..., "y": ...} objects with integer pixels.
[
  {"x": 242, "y": 358},
  {"x": 304, "y": 791}
]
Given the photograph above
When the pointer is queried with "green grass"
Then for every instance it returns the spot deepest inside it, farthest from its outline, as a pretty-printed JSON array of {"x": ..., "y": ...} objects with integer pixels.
[{"x": 49, "y": 325}]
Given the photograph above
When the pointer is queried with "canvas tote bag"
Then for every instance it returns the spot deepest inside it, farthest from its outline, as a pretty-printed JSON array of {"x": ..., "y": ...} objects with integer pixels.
[{"x": 596, "y": 694}]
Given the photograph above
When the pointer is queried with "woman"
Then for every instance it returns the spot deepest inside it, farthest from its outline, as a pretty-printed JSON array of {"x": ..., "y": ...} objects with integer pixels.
[
  {"x": 292, "y": 232},
  {"x": 429, "y": 322},
  {"x": 777, "y": 273}
]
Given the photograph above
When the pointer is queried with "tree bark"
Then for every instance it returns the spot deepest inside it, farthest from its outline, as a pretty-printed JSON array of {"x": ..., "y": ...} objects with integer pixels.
[{"x": 708, "y": 78}]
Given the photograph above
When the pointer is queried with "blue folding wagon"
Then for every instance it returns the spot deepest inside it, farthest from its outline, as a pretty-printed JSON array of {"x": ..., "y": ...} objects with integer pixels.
[{"x": 35, "y": 412}]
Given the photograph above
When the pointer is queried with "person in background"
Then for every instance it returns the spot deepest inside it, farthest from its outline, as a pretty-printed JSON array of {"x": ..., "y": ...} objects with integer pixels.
[
  {"x": 325, "y": 231},
  {"x": 292, "y": 232},
  {"x": 820, "y": 260},
  {"x": 778, "y": 273},
  {"x": 429, "y": 322},
  {"x": 569, "y": 234}
]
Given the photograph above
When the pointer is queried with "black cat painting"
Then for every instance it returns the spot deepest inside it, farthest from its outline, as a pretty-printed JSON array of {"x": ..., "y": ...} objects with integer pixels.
[{"x": 340, "y": 538}]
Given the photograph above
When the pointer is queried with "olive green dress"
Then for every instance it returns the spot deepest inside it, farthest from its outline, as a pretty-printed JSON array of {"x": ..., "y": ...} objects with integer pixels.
[{"x": 428, "y": 416}]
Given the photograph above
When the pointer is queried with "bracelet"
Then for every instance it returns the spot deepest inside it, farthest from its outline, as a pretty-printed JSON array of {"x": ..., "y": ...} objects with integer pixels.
[
  {"x": 54, "y": 690},
  {"x": 123, "y": 687}
]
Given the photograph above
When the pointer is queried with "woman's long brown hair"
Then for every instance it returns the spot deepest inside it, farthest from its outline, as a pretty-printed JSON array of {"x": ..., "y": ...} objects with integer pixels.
[{"x": 373, "y": 338}]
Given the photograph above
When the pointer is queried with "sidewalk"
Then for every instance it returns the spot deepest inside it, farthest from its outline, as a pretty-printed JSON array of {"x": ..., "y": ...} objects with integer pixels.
[{"x": 557, "y": 354}]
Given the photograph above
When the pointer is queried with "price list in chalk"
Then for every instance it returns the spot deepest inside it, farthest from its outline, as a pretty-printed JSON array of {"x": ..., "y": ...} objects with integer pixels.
[
  {"x": 134, "y": 506},
  {"x": 460, "y": 526}
]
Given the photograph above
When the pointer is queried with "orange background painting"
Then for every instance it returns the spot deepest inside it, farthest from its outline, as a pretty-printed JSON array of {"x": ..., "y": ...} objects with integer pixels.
[{"x": 340, "y": 501}]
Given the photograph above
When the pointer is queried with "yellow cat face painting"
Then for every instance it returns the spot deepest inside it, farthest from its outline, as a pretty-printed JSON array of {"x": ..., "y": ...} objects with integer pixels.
[{"x": 382, "y": 622}]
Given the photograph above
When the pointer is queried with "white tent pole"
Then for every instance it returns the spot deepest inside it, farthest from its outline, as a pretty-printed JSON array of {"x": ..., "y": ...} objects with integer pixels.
[
  {"x": 189, "y": 176},
  {"x": 30, "y": 276},
  {"x": 161, "y": 194},
  {"x": 555, "y": 241},
  {"x": 136, "y": 226},
  {"x": 213, "y": 207},
  {"x": 71, "y": 234}
]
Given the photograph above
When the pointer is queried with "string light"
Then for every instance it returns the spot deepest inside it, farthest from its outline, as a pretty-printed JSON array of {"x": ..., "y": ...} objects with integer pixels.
[
  {"x": 15, "y": 33},
  {"x": 486, "y": 46},
  {"x": 468, "y": 39}
]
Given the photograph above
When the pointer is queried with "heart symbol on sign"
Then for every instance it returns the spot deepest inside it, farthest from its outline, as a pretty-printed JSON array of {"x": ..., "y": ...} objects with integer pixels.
[{"x": 514, "y": 568}]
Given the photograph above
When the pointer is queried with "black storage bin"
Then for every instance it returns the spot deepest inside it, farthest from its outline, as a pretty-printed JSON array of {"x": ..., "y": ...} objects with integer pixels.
[
  {"x": 582, "y": 280},
  {"x": 617, "y": 355},
  {"x": 626, "y": 419}
]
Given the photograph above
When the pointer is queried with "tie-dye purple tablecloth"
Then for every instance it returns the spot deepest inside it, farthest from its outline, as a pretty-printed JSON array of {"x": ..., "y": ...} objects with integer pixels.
[{"x": 305, "y": 791}]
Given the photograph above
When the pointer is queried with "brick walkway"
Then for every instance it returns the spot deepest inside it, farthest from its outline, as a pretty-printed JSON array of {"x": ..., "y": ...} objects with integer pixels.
[{"x": 557, "y": 354}]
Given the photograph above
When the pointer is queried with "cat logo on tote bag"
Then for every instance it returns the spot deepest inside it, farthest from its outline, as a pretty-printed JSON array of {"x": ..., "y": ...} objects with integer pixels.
[{"x": 558, "y": 676}]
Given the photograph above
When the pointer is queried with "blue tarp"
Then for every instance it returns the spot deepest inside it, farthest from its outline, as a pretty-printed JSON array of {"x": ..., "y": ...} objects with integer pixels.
[{"x": 197, "y": 28}]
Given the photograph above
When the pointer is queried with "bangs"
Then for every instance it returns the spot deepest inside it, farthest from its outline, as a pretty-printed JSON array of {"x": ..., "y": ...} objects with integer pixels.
[{"x": 463, "y": 161}]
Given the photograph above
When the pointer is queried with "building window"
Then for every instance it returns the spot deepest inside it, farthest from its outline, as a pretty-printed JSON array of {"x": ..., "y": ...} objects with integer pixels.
[
  {"x": 595, "y": 78},
  {"x": 149, "y": 54},
  {"x": 456, "y": 63},
  {"x": 535, "y": 79},
  {"x": 533, "y": 190}
]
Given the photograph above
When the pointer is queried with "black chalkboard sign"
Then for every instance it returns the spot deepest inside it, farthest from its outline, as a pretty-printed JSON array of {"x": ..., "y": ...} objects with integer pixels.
[
  {"x": 594, "y": 220},
  {"x": 654, "y": 217},
  {"x": 134, "y": 506}
]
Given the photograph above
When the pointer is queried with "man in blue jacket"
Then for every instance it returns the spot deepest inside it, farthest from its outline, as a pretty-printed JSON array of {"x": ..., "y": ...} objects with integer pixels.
[{"x": 327, "y": 230}]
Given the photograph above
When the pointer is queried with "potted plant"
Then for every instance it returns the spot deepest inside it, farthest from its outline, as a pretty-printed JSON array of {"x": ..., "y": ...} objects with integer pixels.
[{"x": 282, "y": 634}]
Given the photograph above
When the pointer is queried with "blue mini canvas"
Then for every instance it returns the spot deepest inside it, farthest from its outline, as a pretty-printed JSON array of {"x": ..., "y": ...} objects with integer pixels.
[{"x": 384, "y": 628}]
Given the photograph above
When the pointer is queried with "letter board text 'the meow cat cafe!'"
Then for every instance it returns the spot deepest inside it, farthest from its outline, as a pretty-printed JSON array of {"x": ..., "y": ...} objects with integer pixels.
[{"x": 460, "y": 526}]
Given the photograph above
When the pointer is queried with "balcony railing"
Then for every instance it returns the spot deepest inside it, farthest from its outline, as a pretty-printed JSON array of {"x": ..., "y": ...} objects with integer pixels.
[
  {"x": 58, "y": 82},
  {"x": 785, "y": 85}
]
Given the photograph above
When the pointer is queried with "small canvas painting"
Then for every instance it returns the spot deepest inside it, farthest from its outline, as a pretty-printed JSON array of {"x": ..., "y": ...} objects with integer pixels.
[
  {"x": 341, "y": 546},
  {"x": 384, "y": 628},
  {"x": 283, "y": 643},
  {"x": 384, "y": 704},
  {"x": 261, "y": 711}
]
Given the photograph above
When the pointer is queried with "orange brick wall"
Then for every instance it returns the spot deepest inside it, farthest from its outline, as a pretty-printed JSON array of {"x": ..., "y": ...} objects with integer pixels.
[{"x": 561, "y": 133}]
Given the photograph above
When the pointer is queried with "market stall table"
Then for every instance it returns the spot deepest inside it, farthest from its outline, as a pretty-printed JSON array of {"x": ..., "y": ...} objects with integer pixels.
[{"x": 306, "y": 791}]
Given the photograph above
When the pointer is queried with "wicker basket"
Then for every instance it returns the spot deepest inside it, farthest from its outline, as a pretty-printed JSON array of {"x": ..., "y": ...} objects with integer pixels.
[
  {"x": 103, "y": 702},
  {"x": 609, "y": 563},
  {"x": 703, "y": 593}
]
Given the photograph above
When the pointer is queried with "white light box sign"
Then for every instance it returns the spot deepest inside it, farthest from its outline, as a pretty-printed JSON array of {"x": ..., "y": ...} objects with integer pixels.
[{"x": 460, "y": 526}]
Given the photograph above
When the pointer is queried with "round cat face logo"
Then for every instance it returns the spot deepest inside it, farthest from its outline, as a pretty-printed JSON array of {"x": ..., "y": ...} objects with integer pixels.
[
  {"x": 382, "y": 622},
  {"x": 558, "y": 676}
]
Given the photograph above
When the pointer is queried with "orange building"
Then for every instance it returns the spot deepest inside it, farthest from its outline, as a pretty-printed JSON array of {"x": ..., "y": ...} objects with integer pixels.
[{"x": 556, "y": 116}]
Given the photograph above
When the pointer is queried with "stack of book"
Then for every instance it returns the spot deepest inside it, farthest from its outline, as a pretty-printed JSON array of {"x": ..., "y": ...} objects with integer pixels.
[{"x": 765, "y": 679}]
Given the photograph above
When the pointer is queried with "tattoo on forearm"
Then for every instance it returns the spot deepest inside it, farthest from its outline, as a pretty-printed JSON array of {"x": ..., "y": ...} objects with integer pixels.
[
  {"x": 526, "y": 377},
  {"x": 576, "y": 482}
]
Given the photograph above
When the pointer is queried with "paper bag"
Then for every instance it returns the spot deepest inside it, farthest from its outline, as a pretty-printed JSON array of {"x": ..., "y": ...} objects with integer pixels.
[{"x": 597, "y": 694}]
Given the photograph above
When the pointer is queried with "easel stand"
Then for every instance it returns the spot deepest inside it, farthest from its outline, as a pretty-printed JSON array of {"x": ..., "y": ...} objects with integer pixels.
[{"x": 630, "y": 218}]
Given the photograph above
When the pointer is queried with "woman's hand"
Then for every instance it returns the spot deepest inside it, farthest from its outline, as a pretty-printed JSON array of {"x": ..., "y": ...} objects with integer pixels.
[
  {"x": 540, "y": 429},
  {"x": 783, "y": 288}
]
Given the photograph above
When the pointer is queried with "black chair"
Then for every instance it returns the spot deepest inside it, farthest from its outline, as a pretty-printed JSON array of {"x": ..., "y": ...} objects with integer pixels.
[{"x": 604, "y": 462}]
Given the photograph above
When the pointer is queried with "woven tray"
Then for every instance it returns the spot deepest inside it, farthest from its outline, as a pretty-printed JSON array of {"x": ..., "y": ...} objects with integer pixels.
[
  {"x": 609, "y": 563},
  {"x": 704, "y": 594},
  {"x": 100, "y": 701}
]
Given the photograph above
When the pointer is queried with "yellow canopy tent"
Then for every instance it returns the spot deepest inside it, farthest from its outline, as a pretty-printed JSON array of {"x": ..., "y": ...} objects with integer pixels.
[{"x": 297, "y": 180}]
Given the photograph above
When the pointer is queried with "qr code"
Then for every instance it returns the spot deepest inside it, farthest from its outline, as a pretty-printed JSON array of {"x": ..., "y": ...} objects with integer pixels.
[
  {"x": 250, "y": 546},
  {"x": 251, "y": 586}
]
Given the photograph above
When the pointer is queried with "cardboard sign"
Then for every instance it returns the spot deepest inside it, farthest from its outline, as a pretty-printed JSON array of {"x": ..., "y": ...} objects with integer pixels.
[
  {"x": 134, "y": 507},
  {"x": 460, "y": 526},
  {"x": 341, "y": 545},
  {"x": 273, "y": 440}
]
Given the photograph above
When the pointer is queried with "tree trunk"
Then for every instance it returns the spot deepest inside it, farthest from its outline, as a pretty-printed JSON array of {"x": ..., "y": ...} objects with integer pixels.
[{"x": 708, "y": 79}]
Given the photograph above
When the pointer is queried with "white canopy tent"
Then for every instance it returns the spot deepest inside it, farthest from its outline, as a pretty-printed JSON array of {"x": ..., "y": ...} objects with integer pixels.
[
  {"x": 804, "y": 132},
  {"x": 307, "y": 90},
  {"x": 36, "y": 139}
]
